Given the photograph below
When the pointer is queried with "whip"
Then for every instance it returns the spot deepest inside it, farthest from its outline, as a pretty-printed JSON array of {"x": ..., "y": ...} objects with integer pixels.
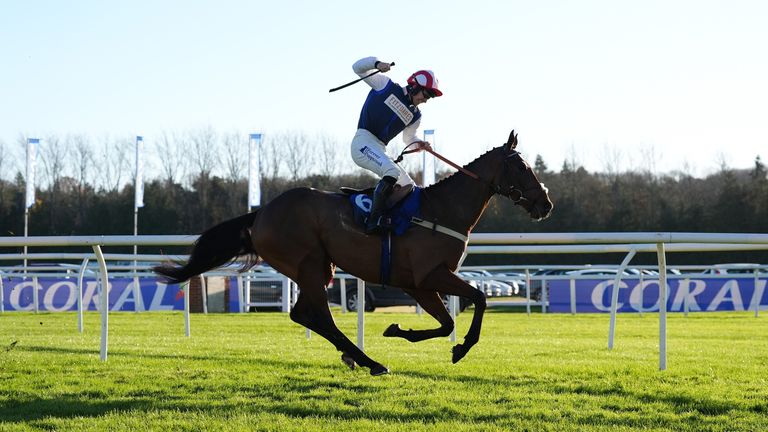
[{"x": 357, "y": 80}]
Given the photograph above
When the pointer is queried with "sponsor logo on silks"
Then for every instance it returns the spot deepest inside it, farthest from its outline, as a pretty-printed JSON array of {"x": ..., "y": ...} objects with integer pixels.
[
  {"x": 372, "y": 155},
  {"x": 364, "y": 203},
  {"x": 399, "y": 108}
]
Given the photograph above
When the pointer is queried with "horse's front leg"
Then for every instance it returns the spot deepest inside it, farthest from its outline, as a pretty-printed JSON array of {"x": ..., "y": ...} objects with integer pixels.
[
  {"x": 447, "y": 282},
  {"x": 431, "y": 302}
]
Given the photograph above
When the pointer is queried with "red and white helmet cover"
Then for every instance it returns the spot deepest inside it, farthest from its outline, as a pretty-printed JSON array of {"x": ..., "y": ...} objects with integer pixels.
[{"x": 426, "y": 79}]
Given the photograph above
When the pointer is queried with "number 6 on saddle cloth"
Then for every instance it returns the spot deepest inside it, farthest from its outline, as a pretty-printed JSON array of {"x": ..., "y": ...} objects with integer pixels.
[{"x": 397, "y": 217}]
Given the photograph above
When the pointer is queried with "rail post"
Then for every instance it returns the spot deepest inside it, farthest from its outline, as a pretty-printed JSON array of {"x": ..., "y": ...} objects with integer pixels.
[
  {"x": 615, "y": 296},
  {"x": 360, "y": 314},
  {"x": 80, "y": 277},
  {"x": 662, "y": 306},
  {"x": 104, "y": 301}
]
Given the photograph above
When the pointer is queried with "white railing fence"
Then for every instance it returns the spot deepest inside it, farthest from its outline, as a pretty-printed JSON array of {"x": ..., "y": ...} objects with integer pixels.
[{"x": 483, "y": 243}]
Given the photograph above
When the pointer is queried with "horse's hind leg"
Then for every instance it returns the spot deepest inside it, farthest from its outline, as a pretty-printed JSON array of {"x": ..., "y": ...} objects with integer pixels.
[
  {"x": 431, "y": 302},
  {"x": 312, "y": 311},
  {"x": 447, "y": 282}
]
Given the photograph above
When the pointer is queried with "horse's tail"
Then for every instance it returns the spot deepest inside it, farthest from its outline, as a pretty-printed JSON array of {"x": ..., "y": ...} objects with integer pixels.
[{"x": 217, "y": 246}]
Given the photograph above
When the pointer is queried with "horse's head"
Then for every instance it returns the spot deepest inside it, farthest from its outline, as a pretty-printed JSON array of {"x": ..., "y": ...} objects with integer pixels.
[{"x": 517, "y": 181}]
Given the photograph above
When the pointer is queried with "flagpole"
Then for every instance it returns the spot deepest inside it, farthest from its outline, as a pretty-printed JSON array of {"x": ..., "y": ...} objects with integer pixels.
[
  {"x": 427, "y": 173},
  {"x": 26, "y": 234},
  {"x": 135, "y": 229},
  {"x": 254, "y": 185},
  {"x": 138, "y": 187},
  {"x": 29, "y": 196},
  {"x": 428, "y": 161}
]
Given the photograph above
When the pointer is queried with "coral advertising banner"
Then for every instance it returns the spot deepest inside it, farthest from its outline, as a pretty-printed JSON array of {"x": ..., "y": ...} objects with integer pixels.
[
  {"x": 701, "y": 294},
  {"x": 58, "y": 295}
]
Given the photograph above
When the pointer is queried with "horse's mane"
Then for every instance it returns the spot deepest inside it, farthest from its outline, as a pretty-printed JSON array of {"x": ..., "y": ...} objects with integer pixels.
[{"x": 452, "y": 178}]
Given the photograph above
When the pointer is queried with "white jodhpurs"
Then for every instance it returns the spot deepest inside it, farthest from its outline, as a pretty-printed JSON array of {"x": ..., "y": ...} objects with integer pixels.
[{"x": 370, "y": 153}]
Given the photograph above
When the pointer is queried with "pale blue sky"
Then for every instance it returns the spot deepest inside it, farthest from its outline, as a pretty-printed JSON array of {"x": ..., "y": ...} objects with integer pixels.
[{"x": 604, "y": 82}]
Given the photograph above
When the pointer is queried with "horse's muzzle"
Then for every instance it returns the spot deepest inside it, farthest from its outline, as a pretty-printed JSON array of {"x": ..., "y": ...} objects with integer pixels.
[{"x": 541, "y": 208}]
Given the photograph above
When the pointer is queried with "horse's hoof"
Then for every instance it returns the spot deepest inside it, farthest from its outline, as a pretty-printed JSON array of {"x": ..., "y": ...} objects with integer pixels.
[
  {"x": 458, "y": 353},
  {"x": 392, "y": 330},
  {"x": 379, "y": 370},
  {"x": 348, "y": 360}
]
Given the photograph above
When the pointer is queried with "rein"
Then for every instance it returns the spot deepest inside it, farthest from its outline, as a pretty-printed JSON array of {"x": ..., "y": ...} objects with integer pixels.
[
  {"x": 516, "y": 195},
  {"x": 439, "y": 156}
]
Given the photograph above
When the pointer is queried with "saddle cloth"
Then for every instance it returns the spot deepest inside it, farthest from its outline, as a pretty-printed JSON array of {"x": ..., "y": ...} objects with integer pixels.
[{"x": 399, "y": 214}]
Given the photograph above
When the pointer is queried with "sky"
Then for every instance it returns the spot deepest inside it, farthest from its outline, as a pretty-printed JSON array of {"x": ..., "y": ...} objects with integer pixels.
[{"x": 610, "y": 85}]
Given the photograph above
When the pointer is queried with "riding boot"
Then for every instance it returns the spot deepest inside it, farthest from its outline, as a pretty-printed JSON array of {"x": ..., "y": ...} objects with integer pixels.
[{"x": 380, "y": 194}]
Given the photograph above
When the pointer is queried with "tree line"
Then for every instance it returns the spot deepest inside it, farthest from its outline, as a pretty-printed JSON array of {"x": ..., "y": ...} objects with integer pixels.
[{"x": 203, "y": 181}]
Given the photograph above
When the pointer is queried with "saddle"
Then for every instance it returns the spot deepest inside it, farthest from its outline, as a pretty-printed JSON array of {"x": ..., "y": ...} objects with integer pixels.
[{"x": 403, "y": 205}]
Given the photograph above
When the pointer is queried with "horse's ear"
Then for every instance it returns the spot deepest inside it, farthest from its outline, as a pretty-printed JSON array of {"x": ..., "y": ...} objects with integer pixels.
[{"x": 511, "y": 142}]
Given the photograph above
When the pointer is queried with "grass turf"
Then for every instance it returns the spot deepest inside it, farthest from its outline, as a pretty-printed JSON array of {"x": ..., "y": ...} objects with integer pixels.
[{"x": 258, "y": 371}]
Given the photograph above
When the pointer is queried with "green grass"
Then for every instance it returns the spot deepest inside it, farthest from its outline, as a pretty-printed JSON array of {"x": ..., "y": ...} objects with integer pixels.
[{"x": 258, "y": 371}]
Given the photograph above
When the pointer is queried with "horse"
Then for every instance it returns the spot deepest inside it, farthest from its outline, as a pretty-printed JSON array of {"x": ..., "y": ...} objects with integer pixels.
[{"x": 306, "y": 233}]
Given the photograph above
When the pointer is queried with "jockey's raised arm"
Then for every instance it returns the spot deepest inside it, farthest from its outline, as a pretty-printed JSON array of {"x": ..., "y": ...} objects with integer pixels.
[
  {"x": 366, "y": 65},
  {"x": 388, "y": 110}
]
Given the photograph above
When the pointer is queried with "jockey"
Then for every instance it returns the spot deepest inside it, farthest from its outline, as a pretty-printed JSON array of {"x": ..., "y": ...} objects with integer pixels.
[{"x": 388, "y": 110}]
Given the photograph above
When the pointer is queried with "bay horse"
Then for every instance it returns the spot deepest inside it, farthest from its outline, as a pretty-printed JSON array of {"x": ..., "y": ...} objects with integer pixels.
[{"x": 305, "y": 233}]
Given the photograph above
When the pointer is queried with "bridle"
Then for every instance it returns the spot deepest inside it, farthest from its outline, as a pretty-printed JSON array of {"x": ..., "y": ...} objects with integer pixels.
[{"x": 515, "y": 194}]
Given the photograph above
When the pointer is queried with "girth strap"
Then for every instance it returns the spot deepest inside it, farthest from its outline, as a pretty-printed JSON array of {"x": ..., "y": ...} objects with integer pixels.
[
  {"x": 386, "y": 257},
  {"x": 439, "y": 228}
]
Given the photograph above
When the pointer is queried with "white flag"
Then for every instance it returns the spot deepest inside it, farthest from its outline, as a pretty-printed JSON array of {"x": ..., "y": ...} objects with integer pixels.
[
  {"x": 254, "y": 174},
  {"x": 32, "y": 145},
  {"x": 139, "y": 178},
  {"x": 428, "y": 166}
]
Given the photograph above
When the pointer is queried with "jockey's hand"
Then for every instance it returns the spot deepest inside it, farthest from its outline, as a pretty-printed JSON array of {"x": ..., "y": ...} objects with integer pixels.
[
  {"x": 422, "y": 145},
  {"x": 383, "y": 66}
]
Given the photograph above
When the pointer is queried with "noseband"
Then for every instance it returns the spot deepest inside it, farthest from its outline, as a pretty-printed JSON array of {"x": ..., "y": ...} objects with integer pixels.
[{"x": 516, "y": 195}]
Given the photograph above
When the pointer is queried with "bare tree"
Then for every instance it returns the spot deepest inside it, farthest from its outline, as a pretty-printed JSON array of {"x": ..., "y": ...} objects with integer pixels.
[
  {"x": 649, "y": 159},
  {"x": 5, "y": 159},
  {"x": 686, "y": 170},
  {"x": 81, "y": 154},
  {"x": 53, "y": 155},
  {"x": 170, "y": 148},
  {"x": 330, "y": 161},
  {"x": 723, "y": 161},
  {"x": 271, "y": 156},
  {"x": 572, "y": 159},
  {"x": 203, "y": 152},
  {"x": 299, "y": 154},
  {"x": 114, "y": 162},
  {"x": 235, "y": 157},
  {"x": 4, "y": 162},
  {"x": 611, "y": 158},
  {"x": 21, "y": 145}
]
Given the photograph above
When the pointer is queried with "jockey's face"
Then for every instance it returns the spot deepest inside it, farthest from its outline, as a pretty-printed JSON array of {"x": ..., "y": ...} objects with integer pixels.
[{"x": 420, "y": 97}]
